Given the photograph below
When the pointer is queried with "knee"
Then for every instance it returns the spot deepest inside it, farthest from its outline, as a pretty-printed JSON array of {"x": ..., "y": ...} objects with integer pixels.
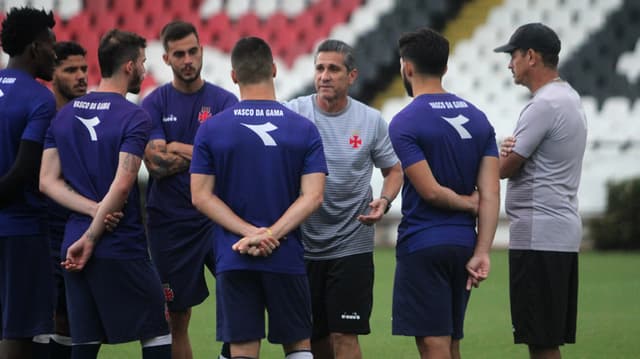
[
  {"x": 179, "y": 322},
  {"x": 343, "y": 339}
]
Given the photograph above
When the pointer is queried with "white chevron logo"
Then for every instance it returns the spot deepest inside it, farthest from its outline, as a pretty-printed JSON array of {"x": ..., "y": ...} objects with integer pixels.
[{"x": 90, "y": 123}]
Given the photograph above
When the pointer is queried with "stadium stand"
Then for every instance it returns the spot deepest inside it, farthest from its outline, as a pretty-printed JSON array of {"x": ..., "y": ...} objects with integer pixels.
[{"x": 600, "y": 55}]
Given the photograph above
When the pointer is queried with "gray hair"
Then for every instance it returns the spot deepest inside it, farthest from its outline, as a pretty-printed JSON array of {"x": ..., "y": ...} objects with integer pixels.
[{"x": 341, "y": 47}]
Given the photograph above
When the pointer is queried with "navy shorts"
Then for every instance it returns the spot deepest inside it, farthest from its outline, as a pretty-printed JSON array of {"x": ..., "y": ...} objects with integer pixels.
[
  {"x": 26, "y": 287},
  {"x": 429, "y": 292},
  {"x": 341, "y": 294},
  {"x": 115, "y": 301},
  {"x": 242, "y": 297},
  {"x": 56, "y": 235},
  {"x": 544, "y": 297},
  {"x": 180, "y": 255}
]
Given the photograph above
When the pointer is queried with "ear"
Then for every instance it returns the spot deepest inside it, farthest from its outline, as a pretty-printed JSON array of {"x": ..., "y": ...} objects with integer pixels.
[
  {"x": 531, "y": 54},
  {"x": 274, "y": 69},
  {"x": 234, "y": 78},
  {"x": 129, "y": 67},
  {"x": 353, "y": 75},
  {"x": 165, "y": 58},
  {"x": 408, "y": 68}
]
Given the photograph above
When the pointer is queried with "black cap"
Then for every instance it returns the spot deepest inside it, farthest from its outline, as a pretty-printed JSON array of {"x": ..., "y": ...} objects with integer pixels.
[{"x": 536, "y": 36}]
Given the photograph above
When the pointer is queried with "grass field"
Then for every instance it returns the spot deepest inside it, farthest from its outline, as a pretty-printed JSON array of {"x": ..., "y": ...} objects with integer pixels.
[{"x": 608, "y": 315}]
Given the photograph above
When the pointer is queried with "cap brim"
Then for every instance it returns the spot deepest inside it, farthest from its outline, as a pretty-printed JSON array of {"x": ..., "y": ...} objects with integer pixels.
[{"x": 505, "y": 48}]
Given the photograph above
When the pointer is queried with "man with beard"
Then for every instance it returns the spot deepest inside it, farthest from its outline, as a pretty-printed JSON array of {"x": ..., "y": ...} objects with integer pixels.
[
  {"x": 450, "y": 159},
  {"x": 97, "y": 141},
  {"x": 70, "y": 75},
  {"x": 339, "y": 237},
  {"x": 69, "y": 82},
  {"x": 27, "y": 108},
  {"x": 178, "y": 233}
]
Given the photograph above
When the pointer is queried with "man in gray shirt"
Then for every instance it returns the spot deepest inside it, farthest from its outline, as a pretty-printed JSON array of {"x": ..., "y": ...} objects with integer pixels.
[
  {"x": 543, "y": 161},
  {"x": 338, "y": 238}
]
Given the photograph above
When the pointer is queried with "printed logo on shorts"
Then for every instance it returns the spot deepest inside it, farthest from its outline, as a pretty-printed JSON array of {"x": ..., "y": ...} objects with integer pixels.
[
  {"x": 350, "y": 316},
  {"x": 205, "y": 113},
  {"x": 168, "y": 292}
]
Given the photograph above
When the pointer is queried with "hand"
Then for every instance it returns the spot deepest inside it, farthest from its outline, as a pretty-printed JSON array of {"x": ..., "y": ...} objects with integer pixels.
[
  {"x": 112, "y": 220},
  {"x": 78, "y": 254},
  {"x": 478, "y": 268},
  {"x": 376, "y": 211},
  {"x": 506, "y": 147},
  {"x": 172, "y": 147},
  {"x": 260, "y": 244}
]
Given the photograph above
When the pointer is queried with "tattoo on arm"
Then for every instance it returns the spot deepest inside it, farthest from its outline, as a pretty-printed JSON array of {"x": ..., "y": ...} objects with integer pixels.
[
  {"x": 160, "y": 163},
  {"x": 131, "y": 163}
]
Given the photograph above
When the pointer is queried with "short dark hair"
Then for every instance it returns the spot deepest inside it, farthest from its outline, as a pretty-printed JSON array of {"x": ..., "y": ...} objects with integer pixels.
[
  {"x": 65, "y": 49},
  {"x": 252, "y": 60},
  {"x": 176, "y": 30},
  {"x": 118, "y": 47},
  {"x": 23, "y": 26},
  {"x": 341, "y": 47},
  {"x": 426, "y": 49}
]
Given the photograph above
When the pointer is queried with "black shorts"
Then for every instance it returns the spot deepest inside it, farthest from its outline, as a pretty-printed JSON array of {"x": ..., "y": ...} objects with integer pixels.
[
  {"x": 544, "y": 297},
  {"x": 341, "y": 294}
]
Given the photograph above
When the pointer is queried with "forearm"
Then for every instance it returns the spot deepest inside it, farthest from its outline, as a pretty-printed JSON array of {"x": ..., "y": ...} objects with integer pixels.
[
  {"x": 392, "y": 181},
  {"x": 116, "y": 197},
  {"x": 61, "y": 192},
  {"x": 218, "y": 211},
  {"x": 181, "y": 149},
  {"x": 489, "y": 203},
  {"x": 310, "y": 199},
  {"x": 161, "y": 163},
  {"x": 487, "y": 222},
  {"x": 433, "y": 193}
]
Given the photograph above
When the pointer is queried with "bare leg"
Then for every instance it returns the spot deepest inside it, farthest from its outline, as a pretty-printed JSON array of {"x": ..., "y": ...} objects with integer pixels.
[
  {"x": 544, "y": 353},
  {"x": 246, "y": 349},
  {"x": 346, "y": 346},
  {"x": 322, "y": 348},
  {"x": 180, "y": 344},
  {"x": 434, "y": 347},
  {"x": 15, "y": 349}
]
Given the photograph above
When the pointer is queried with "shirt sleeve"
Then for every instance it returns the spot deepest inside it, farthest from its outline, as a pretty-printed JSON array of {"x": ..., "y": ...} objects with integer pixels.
[
  {"x": 136, "y": 134},
  {"x": 533, "y": 127},
  {"x": 382, "y": 154},
  {"x": 39, "y": 119},
  {"x": 405, "y": 142}
]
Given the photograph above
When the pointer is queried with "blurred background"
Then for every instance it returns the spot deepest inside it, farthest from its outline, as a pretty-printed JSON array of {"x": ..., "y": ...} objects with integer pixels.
[{"x": 600, "y": 57}]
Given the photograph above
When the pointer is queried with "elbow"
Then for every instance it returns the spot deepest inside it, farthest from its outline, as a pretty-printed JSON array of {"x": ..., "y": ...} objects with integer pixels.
[
  {"x": 430, "y": 196},
  {"x": 316, "y": 200},
  {"x": 43, "y": 186},
  {"x": 197, "y": 201}
]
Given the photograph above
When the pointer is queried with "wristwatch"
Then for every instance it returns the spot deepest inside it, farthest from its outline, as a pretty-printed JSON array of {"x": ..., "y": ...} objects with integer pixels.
[{"x": 388, "y": 203}]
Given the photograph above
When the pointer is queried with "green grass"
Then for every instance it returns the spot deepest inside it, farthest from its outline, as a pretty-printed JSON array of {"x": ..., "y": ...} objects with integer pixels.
[{"x": 608, "y": 314}]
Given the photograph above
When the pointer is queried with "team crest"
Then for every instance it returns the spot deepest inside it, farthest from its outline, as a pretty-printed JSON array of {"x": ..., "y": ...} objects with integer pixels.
[
  {"x": 204, "y": 114},
  {"x": 355, "y": 140},
  {"x": 168, "y": 292}
]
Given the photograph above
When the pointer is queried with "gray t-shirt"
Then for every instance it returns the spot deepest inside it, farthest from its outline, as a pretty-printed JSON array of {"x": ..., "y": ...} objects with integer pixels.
[
  {"x": 355, "y": 140},
  {"x": 541, "y": 201}
]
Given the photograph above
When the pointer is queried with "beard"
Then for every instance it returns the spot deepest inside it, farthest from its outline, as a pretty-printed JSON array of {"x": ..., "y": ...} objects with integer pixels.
[
  {"x": 187, "y": 80},
  {"x": 136, "y": 82},
  {"x": 407, "y": 85}
]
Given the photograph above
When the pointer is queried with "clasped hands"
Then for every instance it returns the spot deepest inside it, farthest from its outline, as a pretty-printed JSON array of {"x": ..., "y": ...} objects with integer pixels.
[{"x": 259, "y": 244}]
